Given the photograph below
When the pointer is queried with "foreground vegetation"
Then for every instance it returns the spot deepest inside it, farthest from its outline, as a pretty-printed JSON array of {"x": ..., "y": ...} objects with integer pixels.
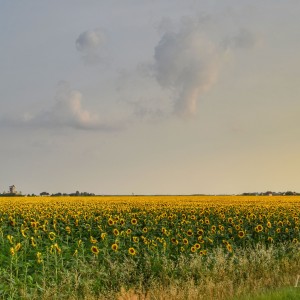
[{"x": 147, "y": 247}]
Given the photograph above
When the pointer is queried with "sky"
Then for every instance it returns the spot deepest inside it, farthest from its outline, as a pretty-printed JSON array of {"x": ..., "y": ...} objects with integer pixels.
[{"x": 150, "y": 97}]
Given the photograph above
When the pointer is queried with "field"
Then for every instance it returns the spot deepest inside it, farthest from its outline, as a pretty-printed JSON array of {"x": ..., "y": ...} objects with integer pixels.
[{"x": 148, "y": 247}]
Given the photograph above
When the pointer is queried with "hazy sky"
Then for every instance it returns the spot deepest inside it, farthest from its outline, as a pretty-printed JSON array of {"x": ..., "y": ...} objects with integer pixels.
[{"x": 150, "y": 97}]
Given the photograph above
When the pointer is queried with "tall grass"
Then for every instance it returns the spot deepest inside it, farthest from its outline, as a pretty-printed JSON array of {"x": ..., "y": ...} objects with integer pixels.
[{"x": 219, "y": 275}]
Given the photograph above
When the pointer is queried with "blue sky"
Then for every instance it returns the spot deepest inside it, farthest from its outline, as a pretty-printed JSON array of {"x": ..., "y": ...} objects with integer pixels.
[{"x": 149, "y": 97}]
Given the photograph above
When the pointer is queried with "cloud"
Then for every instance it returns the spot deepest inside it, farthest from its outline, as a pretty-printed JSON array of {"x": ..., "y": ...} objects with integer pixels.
[
  {"x": 91, "y": 45},
  {"x": 188, "y": 63},
  {"x": 140, "y": 96},
  {"x": 188, "y": 59},
  {"x": 243, "y": 39},
  {"x": 67, "y": 112}
]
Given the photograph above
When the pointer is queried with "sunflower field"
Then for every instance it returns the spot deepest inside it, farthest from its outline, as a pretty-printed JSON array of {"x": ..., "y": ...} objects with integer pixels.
[{"x": 131, "y": 239}]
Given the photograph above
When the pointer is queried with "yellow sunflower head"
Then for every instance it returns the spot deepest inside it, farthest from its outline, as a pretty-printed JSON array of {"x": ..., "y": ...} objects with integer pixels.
[
  {"x": 95, "y": 250},
  {"x": 132, "y": 251}
]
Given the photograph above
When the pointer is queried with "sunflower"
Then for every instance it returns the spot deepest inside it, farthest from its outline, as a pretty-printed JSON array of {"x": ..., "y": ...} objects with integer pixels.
[
  {"x": 34, "y": 224},
  {"x": 197, "y": 246},
  {"x": 128, "y": 231},
  {"x": 68, "y": 229},
  {"x": 33, "y": 242},
  {"x": 93, "y": 240},
  {"x": 23, "y": 232},
  {"x": 52, "y": 236},
  {"x": 193, "y": 249},
  {"x": 270, "y": 239},
  {"x": 131, "y": 251},
  {"x": 56, "y": 247},
  {"x": 278, "y": 230},
  {"x": 39, "y": 257},
  {"x": 200, "y": 231},
  {"x": 116, "y": 232},
  {"x": 12, "y": 251},
  {"x": 259, "y": 228},
  {"x": 95, "y": 250},
  {"x": 154, "y": 243},
  {"x": 134, "y": 221},
  {"x": 18, "y": 247},
  {"x": 145, "y": 229},
  {"x": 174, "y": 241},
  {"x": 200, "y": 240},
  {"x": 241, "y": 234},
  {"x": 225, "y": 242},
  {"x": 135, "y": 239},
  {"x": 114, "y": 247},
  {"x": 210, "y": 240},
  {"x": 10, "y": 238},
  {"x": 110, "y": 222},
  {"x": 190, "y": 232},
  {"x": 185, "y": 241},
  {"x": 229, "y": 248}
]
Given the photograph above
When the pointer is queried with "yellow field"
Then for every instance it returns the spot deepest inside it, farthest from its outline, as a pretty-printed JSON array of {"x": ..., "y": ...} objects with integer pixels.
[
  {"x": 135, "y": 225},
  {"x": 43, "y": 238}
]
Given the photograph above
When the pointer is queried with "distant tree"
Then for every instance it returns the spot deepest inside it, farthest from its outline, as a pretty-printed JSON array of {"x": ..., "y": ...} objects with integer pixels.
[
  {"x": 44, "y": 194},
  {"x": 290, "y": 193},
  {"x": 57, "y": 194}
]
